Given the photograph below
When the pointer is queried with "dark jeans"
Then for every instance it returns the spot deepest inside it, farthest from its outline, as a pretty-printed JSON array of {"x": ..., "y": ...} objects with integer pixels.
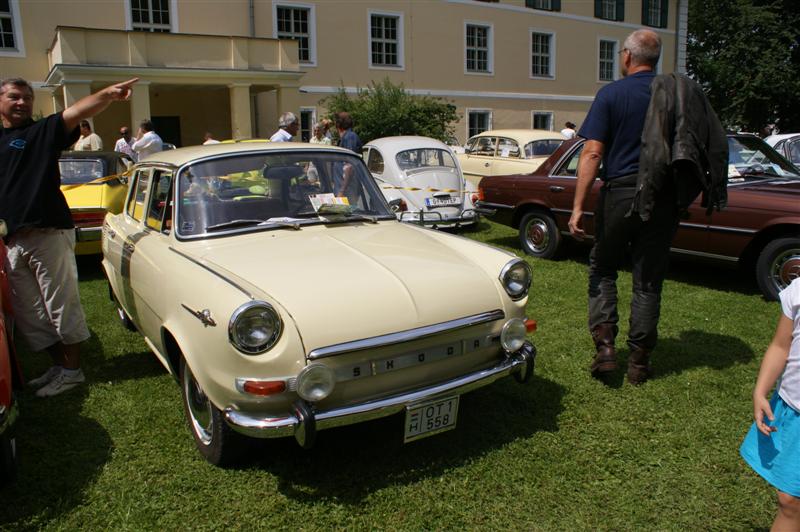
[{"x": 618, "y": 236}]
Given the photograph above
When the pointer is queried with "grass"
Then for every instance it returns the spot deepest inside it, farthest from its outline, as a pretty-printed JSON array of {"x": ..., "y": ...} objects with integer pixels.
[{"x": 561, "y": 453}]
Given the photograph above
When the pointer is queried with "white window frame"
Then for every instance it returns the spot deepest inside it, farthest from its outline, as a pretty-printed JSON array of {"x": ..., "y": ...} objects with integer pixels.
[
  {"x": 313, "y": 119},
  {"x": 173, "y": 16},
  {"x": 552, "y": 65},
  {"x": 471, "y": 110},
  {"x": 615, "y": 66},
  {"x": 489, "y": 44},
  {"x": 551, "y": 119},
  {"x": 401, "y": 40},
  {"x": 16, "y": 28},
  {"x": 312, "y": 27}
]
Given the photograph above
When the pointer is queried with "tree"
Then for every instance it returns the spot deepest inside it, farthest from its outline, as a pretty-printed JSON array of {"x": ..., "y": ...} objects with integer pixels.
[
  {"x": 386, "y": 110},
  {"x": 746, "y": 55}
]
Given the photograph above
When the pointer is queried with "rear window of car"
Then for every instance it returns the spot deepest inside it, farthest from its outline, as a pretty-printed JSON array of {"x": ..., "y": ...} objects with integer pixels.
[
  {"x": 541, "y": 148},
  {"x": 79, "y": 171},
  {"x": 422, "y": 158}
]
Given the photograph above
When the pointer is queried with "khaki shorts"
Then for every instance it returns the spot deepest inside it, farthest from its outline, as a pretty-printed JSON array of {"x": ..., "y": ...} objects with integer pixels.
[{"x": 44, "y": 287}]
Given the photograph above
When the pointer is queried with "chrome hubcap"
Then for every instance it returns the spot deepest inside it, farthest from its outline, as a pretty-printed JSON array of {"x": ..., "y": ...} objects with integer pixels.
[
  {"x": 785, "y": 268},
  {"x": 537, "y": 235},
  {"x": 199, "y": 407}
]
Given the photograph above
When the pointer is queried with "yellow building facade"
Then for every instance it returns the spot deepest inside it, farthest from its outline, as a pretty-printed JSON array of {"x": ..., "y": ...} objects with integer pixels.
[{"x": 232, "y": 67}]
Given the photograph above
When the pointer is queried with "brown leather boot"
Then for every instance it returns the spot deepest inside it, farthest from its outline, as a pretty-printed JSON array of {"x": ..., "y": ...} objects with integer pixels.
[
  {"x": 605, "y": 360},
  {"x": 639, "y": 369}
]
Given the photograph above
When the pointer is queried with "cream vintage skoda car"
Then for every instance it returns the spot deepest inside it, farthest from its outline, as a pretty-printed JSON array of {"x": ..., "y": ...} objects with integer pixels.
[{"x": 274, "y": 282}]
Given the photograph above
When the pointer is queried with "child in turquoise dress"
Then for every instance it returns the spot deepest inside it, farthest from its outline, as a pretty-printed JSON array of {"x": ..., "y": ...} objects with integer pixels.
[{"x": 772, "y": 446}]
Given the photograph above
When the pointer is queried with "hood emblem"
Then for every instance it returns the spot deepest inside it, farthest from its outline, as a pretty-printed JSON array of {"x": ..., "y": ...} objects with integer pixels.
[{"x": 202, "y": 315}]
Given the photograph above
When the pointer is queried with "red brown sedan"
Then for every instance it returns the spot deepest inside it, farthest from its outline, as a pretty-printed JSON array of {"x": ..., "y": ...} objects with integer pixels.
[{"x": 759, "y": 229}]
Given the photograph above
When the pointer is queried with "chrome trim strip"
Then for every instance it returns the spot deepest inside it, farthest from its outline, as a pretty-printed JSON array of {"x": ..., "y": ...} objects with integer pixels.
[
  {"x": 704, "y": 255},
  {"x": 276, "y": 427},
  {"x": 493, "y": 205},
  {"x": 405, "y": 336},
  {"x": 241, "y": 310},
  {"x": 213, "y": 271},
  {"x": 723, "y": 229}
]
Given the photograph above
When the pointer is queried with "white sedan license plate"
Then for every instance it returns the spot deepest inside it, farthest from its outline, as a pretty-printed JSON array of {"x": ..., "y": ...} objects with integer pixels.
[
  {"x": 442, "y": 202},
  {"x": 430, "y": 418}
]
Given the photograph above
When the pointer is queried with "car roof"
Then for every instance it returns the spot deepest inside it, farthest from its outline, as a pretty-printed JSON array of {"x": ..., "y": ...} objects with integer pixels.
[
  {"x": 522, "y": 135},
  {"x": 181, "y": 156},
  {"x": 774, "y": 139},
  {"x": 407, "y": 142}
]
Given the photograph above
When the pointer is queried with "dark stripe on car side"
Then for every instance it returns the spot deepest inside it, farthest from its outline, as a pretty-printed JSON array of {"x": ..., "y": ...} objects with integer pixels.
[{"x": 128, "y": 248}]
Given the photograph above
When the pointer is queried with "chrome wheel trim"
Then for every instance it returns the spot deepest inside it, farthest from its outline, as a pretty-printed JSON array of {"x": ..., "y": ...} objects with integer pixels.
[
  {"x": 199, "y": 408},
  {"x": 537, "y": 235},
  {"x": 785, "y": 268}
]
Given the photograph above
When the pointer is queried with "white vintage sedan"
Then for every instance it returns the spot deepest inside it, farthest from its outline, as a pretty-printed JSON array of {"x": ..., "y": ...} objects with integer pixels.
[
  {"x": 422, "y": 181},
  {"x": 274, "y": 282}
]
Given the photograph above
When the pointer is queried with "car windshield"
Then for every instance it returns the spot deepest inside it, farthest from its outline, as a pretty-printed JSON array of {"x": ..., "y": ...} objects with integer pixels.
[
  {"x": 752, "y": 158},
  {"x": 275, "y": 189},
  {"x": 541, "y": 148},
  {"x": 424, "y": 158},
  {"x": 80, "y": 171}
]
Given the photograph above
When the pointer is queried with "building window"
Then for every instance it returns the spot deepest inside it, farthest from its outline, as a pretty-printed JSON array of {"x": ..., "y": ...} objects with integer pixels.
[
  {"x": 478, "y": 48},
  {"x": 654, "y": 13},
  {"x": 610, "y": 9},
  {"x": 542, "y": 55},
  {"x": 386, "y": 40},
  {"x": 307, "y": 115},
  {"x": 608, "y": 60},
  {"x": 150, "y": 15},
  {"x": 546, "y": 5},
  {"x": 478, "y": 122},
  {"x": 295, "y": 23},
  {"x": 7, "y": 39},
  {"x": 543, "y": 120}
]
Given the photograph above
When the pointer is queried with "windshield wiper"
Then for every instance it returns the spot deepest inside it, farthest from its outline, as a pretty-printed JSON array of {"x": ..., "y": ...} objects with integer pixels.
[
  {"x": 345, "y": 217},
  {"x": 252, "y": 221}
]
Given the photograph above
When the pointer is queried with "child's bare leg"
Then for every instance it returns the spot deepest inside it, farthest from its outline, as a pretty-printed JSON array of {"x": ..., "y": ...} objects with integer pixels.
[{"x": 788, "y": 518}]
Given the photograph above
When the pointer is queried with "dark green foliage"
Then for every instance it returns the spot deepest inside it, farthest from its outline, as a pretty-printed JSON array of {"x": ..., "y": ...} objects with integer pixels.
[
  {"x": 386, "y": 110},
  {"x": 746, "y": 54}
]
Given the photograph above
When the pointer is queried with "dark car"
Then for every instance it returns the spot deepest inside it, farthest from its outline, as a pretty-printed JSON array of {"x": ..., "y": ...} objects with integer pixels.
[
  {"x": 10, "y": 377},
  {"x": 759, "y": 228}
]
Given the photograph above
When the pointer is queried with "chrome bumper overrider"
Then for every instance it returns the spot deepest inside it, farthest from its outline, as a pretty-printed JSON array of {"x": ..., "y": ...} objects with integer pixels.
[{"x": 304, "y": 422}]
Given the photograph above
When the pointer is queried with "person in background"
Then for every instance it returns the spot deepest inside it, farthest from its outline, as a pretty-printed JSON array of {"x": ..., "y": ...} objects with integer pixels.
[
  {"x": 208, "y": 138},
  {"x": 125, "y": 143},
  {"x": 569, "y": 130},
  {"x": 327, "y": 123},
  {"x": 147, "y": 141},
  {"x": 288, "y": 127},
  {"x": 347, "y": 139},
  {"x": 772, "y": 445},
  {"x": 41, "y": 267},
  {"x": 88, "y": 141},
  {"x": 318, "y": 135}
]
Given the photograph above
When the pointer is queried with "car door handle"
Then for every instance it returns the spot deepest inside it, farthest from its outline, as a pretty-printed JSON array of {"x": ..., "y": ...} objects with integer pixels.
[
  {"x": 556, "y": 188},
  {"x": 486, "y": 165},
  {"x": 111, "y": 233}
]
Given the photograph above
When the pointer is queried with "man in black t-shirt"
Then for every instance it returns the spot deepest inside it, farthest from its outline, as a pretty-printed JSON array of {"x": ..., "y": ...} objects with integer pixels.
[
  {"x": 41, "y": 237},
  {"x": 613, "y": 130}
]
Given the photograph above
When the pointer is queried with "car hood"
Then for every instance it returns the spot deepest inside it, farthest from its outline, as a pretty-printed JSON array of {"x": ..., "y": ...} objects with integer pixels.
[{"x": 352, "y": 281}]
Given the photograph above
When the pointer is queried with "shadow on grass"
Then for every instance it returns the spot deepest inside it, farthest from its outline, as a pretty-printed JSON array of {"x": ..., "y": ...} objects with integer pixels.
[
  {"x": 90, "y": 267},
  {"x": 348, "y": 464},
  {"x": 694, "y": 349}
]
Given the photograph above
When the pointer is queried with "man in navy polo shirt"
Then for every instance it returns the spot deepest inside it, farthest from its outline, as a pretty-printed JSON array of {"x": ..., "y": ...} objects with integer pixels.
[
  {"x": 41, "y": 239},
  {"x": 613, "y": 129}
]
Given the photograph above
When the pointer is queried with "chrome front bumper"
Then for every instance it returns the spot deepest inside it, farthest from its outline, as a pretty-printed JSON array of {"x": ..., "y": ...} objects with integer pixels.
[{"x": 305, "y": 421}]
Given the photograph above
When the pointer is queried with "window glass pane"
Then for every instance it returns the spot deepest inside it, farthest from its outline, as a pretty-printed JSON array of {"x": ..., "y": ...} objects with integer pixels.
[
  {"x": 375, "y": 162},
  {"x": 4, "y": 7},
  {"x": 540, "y": 54},
  {"x": 507, "y": 148},
  {"x": 477, "y": 49},
  {"x": 478, "y": 122},
  {"x": 160, "y": 203},
  {"x": 385, "y": 40},
  {"x": 293, "y": 24},
  {"x": 608, "y": 51}
]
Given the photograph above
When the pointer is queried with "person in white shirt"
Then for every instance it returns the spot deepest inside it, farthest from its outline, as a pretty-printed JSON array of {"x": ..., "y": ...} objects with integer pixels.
[
  {"x": 318, "y": 135},
  {"x": 88, "y": 141},
  {"x": 147, "y": 141},
  {"x": 288, "y": 128},
  {"x": 569, "y": 130},
  {"x": 208, "y": 138},
  {"x": 125, "y": 143}
]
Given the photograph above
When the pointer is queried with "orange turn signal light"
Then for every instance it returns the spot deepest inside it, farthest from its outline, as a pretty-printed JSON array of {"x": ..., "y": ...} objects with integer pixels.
[
  {"x": 530, "y": 325},
  {"x": 264, "y": 387}
]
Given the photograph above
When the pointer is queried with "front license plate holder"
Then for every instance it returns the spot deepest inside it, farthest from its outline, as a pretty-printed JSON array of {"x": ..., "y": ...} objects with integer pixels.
[{"x": 429, "y": 418}]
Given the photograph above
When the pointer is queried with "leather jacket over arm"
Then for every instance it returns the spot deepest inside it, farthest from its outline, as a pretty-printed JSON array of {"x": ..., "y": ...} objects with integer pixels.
[{"x": 684, "y": 147}]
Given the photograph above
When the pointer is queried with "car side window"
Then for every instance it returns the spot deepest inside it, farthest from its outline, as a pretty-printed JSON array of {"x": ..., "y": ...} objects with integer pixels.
[
  {"x": 541, "y": 148},
  {"x": 485, "y": 146},
  {"x": 159, "y": 210},
  {"x": 793, "y": 151},
  {"x": 375, "y": 161},
  {"x": 507, "y": 148},
  {"x": 135, "y": 206},
  {"x": 570, "y": 166}
]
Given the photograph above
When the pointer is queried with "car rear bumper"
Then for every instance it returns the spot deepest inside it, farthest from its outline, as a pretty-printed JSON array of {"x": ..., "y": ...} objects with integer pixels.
[
  {"x": 305, "y": 421},
  {"x": 435, "y": 219}
]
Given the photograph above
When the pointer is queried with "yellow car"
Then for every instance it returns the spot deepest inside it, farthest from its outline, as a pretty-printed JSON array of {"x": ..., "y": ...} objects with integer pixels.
[{"x": 93, "y": 184}]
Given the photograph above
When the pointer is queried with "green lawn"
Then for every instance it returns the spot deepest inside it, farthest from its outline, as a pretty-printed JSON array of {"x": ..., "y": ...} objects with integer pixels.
[{"x": 561, "y": 453}]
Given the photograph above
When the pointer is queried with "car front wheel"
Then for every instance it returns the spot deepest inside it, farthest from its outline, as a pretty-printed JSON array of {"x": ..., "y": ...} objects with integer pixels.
[
  {"x": 539, "y": 235},
  {"x": 215, "y": 440},
  {"x": 778, "y": 265}
]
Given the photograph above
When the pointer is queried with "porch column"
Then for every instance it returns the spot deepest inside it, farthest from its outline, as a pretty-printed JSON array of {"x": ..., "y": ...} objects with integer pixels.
[
  {"x": 288, "y": 99},
  {"x": 241, "y": 124},
  {"x": 140, "y": 104},
  {"x": 74, "y": 90}
]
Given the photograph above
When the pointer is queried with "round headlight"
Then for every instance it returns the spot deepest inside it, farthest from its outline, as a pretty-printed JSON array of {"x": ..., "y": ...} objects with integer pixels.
[
  {"x": 315, "y": 382},
  {"x": 512, "y": 337},
  {"x": 516, "y": 278},
  {"x": 254, "y": 327}
]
